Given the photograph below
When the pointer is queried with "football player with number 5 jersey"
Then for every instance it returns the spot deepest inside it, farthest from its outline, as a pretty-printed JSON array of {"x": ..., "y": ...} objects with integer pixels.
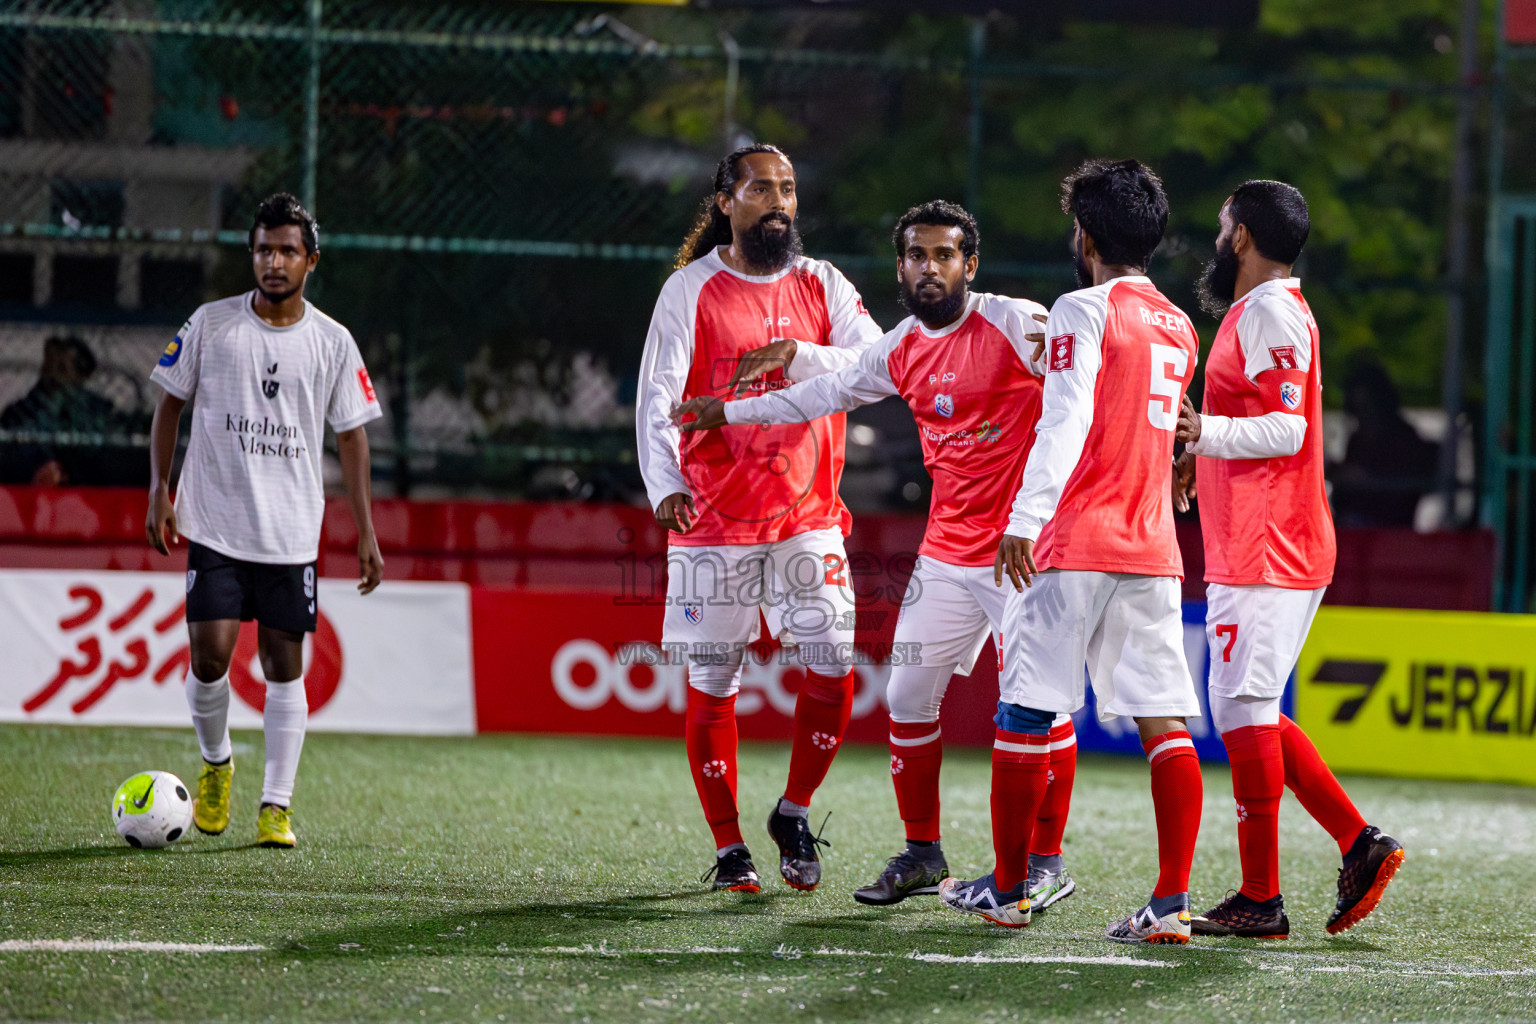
[
  {"x": 965, "y": 364},
  {"x": 1091, "y": 535},
  {"x": 1257, "y": 455},
  {"x": 266, "y": 371}
]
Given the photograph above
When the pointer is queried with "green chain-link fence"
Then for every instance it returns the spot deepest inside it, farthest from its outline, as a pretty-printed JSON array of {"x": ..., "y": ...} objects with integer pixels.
[{"x": 500, "y": 185}]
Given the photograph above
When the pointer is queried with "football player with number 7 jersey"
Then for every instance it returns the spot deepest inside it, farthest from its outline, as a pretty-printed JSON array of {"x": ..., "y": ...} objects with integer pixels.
[
  {"x": 1257, "y": 454},
  {"x": 1091, "y": 535}
]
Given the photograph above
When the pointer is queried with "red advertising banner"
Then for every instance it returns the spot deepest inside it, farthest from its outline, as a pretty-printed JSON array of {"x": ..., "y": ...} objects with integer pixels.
[
  {"x": 575, "y": 661},
  {"x": 1520, "y": 22}
]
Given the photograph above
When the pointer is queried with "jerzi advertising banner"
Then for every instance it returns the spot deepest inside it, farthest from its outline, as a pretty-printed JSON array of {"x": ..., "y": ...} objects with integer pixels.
[
  {"x": 1445, "y": 695},
  {"x": 110, "y": 648}
]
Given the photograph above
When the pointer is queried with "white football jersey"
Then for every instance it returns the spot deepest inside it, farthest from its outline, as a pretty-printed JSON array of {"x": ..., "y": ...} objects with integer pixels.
[{"x": 251, "y": 486}]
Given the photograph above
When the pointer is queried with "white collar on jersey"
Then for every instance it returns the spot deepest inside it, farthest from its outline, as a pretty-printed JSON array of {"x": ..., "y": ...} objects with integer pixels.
[
  {"x": 249, "y": 305},
  {"x": 763, "y": 278},
  {"x": 972, "y": 301},
  {"x": 1275, "y": 284}
]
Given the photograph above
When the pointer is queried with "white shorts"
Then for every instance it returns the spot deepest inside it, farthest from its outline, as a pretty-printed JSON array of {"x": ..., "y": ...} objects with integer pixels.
[
  {"x": 1127, "y": 629},
  {"x": 946, "y": 616},
  {"x": 1256, "y": 633},
  {"x": 800, "y": 584}
]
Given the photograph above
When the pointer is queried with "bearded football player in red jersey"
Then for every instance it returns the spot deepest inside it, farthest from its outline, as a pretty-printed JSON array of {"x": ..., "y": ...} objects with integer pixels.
[
  {"x": 1091, "y": 533},
  {"x": 1257, "y": 454},
  {"x": 966, "y": 364},
  {"x": 756, "y": 524}
]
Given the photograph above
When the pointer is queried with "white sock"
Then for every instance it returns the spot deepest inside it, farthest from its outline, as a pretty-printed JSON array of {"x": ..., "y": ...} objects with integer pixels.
[
  {"x": 792, "y": 809},
  {"x": 283, "y": 721},
  {"x": 209, "y": 703}
]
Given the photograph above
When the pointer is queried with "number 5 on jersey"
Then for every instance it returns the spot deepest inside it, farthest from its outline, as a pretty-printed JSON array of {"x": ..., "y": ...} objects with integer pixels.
[{"x": 1169, "y": 365}]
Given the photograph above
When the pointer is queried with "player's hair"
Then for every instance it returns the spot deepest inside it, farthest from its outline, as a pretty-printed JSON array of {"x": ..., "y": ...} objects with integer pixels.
[
  {"x": 281, "y": 209},
  {"x": 939, "y": 213},
  {"x": 1121, "y": 205},
  {"x": 712, "y": 228},
  {"x": 1276, "y": 216}
]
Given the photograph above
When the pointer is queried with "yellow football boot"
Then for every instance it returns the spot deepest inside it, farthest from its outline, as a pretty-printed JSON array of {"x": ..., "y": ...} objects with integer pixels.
[
  {"x": 210, "y": 810},
  {"x": 274, "y": 827}
]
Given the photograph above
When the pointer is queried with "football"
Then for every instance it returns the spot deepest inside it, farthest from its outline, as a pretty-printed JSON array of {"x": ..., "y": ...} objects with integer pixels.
[{"x": 152, "y": 809}]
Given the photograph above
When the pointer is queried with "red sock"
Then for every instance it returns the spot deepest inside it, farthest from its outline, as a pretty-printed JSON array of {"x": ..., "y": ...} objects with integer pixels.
[
  {"x": 1258, "y": 779},
  {"x": 1052, "y": 819},
  {"x": 917, "y": 751},
  {"x": 1176, "y": 796},
  {"x": 821, "y": 718},
  {"x": 1314, "y": 785},
  {"x": 711, "y": 741},
  {"x": 1020, "y": 762}
]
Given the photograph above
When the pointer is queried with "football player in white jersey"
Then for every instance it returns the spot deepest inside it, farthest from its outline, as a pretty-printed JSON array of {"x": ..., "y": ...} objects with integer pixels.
[{"x": 268, "y": 371}]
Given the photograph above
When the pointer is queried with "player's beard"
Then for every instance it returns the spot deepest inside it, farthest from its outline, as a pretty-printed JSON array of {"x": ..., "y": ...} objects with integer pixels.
[
  {"x": 283, "y": 296},
  {"x": 767, "y": 250},
  {"x": 1080, "y": 266},
  {"x": 933, "y": 312},
  {"x": 1218, "y": 284}
]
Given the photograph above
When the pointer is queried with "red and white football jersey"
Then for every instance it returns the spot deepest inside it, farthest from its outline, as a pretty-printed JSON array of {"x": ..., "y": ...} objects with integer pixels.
[
  {"x": 1265, "y": 519},
  {"x": 758, "y": 486},
  {"x": 1096, "y": 493},
  {"x": 975, "y": 398}
]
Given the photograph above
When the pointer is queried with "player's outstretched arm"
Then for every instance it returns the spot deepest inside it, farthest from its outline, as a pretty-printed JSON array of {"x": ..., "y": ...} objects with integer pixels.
[
  {"x": 160, "y": 522},
  {"x": 352, "y": 446},
  {"x": 776, "y": 355}
]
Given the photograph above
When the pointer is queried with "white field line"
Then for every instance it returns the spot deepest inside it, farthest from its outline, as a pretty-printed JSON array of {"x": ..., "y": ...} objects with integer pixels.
[
  {"x": 1318, "y": 962},
  {"x": 1332, "y": 963},
  {"x": 114, "y": 946},
  {"x": 790, "y": 953}
]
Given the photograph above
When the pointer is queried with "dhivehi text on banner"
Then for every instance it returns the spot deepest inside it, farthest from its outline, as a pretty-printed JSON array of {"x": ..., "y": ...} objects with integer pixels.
[{"x": 110, "y": 648}]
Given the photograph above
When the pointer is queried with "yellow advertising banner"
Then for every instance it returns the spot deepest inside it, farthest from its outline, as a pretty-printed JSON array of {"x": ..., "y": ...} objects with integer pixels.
[{"x": 1444, "y": 695}]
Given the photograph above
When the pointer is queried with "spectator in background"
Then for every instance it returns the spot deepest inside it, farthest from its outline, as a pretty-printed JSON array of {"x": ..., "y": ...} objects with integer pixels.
[
  {"x": 59, "y": 403},
  {"x": 1387, "y": 466}
]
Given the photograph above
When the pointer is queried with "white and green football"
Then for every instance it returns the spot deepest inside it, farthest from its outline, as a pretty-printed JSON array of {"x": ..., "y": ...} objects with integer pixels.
[{"x": 152, "y": 809}]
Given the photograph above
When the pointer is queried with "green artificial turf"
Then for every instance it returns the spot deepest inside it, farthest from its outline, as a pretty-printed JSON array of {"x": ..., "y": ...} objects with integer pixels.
[{"x": 528, "y": 878}]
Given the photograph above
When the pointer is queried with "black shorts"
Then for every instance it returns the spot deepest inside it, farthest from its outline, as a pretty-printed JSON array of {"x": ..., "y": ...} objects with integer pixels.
[{"x": 276, "y": 596}]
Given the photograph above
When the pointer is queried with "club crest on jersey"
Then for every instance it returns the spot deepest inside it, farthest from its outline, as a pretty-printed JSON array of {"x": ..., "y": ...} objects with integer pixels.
[
  {"x": 693, "y": 612},
  {"x": 1061, "y": 352},
  {"x": 1290, "y": 395},
  {"x": 944, "y": 405},
  {"x": 1284, "y": 357},
  {"x": 269, "y": 388}
]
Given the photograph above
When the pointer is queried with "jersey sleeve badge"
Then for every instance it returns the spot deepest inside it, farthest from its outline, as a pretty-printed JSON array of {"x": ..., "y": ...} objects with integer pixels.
[
  {"x": 1290, "y": 395},
  {"x": 173, "y": 350},
  {"x": 1061, "y": 352},
  {"x": 366, "y": 384},
  {"x": 1284, "y": 357}
]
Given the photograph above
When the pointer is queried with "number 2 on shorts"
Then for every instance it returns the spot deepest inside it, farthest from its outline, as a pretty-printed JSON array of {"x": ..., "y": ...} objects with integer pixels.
[{"x": 836, "y": 577}]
